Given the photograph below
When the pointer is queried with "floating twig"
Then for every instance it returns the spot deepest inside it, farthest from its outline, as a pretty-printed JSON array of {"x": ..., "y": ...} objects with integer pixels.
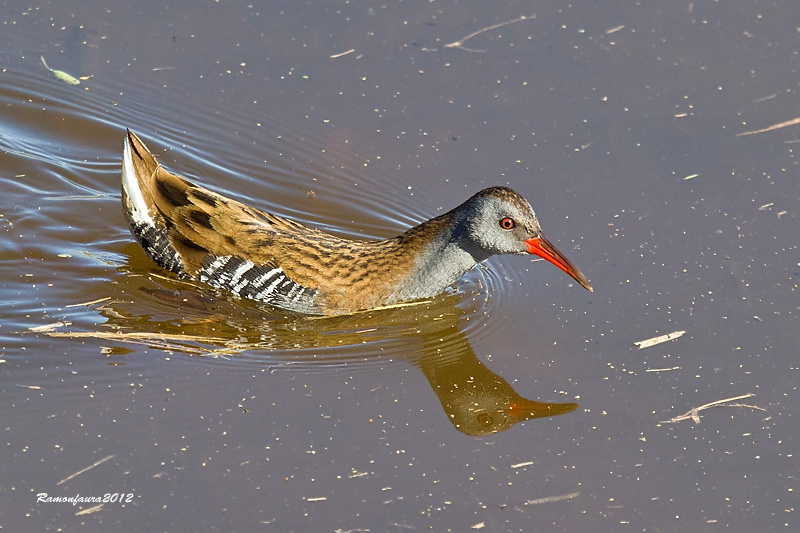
[
  {"x": 87, "y": 304},
  {"x": 693, "y": 413},
  {"x": 765, "y": 98},
  {"x": 460, "y": 42},
  {"x": 335, "y": 56},
  {"x": 658, "y": 340},
  {"x": 136, "y": 335},
  {"x": 79, "y": 472},
  {"x": 770, "y": 128},
  {"x": 551, "y": 499},
  {"x": 163, "y": 341},
  {"x": 45, "y": 328},
  {"x": 90, "y": 510},
  {"x": 663, "y": 369}
]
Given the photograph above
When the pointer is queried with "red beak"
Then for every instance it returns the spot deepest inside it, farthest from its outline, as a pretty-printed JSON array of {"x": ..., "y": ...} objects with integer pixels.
[{"x": 542, "y": 247}]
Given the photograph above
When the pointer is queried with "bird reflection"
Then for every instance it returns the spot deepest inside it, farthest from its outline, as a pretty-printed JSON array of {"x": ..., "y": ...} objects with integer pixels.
[
  {"x": 478, "y": 401},
  {"x": 428, "y": 335}
]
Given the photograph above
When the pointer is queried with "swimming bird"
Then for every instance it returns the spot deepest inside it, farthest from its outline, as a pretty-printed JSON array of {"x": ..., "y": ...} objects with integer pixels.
[{"x": 202, "y": 235}]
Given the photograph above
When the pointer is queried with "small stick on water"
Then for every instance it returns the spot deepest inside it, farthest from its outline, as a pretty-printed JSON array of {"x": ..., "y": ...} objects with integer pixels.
[
  {"x": 770, "y": 128},
  {"x": 342, "y": 54},
  {"x": 79, "y": 472},
  {"x": 134, "y": 335},
  {"x": 163, "y": 341},
  {"x": 551, "y": 499},
  {"x": 44, "y": 328},
  {"x": 647, "y": 343},
  {"x": 90, "y": 510},
  {"x": 765, "y": 98},
  {"x": 460, "y": 42},
  {"x": 663, "y": 369},
  {"x": 87, "y": 304},
  {"x": 693, "y": 413}
]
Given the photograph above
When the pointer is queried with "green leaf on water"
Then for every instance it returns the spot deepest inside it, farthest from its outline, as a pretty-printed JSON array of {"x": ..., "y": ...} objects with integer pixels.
[
  {"x": 66, "y": 78},
  {"x": 61, "y": 75}
]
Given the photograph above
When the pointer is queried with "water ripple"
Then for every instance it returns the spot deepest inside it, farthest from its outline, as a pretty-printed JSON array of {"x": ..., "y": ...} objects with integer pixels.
[{"x": 306, "y": 169}]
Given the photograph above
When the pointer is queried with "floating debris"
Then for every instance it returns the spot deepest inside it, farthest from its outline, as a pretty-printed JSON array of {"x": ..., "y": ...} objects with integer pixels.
[
  {"x": 551, "y": 499},
  {"x": 765, "y": 98},
  {"x": 663, "y": 369},
  {"x": 693, "y": 413},
  {"x": 342, "y": 54},
  {"x": 164, "y": 341},
  {"x": 64, "y": 76},
  {"x": 87, "y": 304},
  {"x": 460, "y": 42},
  {"x": 658, "y": 340},
  {"x": 770, "y": 128},
  {"x": 79, "y": 472},
  {"x": 44, "y": 328},
  {"x": 90, "y": 510}
]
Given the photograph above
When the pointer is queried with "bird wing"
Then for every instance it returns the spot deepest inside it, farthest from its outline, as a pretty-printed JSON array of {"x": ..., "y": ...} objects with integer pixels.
[{"x": 217, "y": 240}]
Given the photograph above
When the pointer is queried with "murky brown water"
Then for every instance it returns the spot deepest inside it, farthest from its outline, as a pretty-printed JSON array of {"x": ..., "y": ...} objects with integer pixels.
[{"x": 619, "y": 122}]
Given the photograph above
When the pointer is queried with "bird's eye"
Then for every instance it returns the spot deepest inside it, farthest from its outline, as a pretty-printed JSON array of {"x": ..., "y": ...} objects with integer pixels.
[{"x": 507, "y": 223}]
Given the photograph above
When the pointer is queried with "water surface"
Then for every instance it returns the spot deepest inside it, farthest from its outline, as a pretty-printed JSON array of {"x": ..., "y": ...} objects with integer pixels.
[{"x": 517, "y": 402}]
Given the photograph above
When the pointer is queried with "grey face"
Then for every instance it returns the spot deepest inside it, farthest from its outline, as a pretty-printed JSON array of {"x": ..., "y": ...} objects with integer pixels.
[{"x": 500, "y": 222}]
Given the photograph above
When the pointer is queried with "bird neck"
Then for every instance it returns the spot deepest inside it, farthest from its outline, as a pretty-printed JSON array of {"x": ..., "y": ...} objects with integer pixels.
[{"x": 441, "y": 256}]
